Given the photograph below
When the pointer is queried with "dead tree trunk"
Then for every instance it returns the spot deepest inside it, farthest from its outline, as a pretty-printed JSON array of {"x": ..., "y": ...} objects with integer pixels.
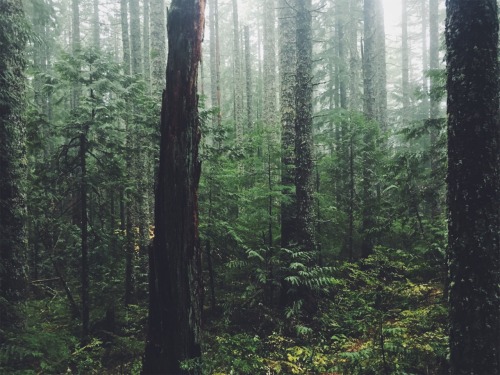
[{"x": 175, "y": 280}]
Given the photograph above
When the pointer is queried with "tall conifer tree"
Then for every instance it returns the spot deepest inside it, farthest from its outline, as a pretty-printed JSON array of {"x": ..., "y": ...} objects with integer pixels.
[{"x": 473, "y": 186}]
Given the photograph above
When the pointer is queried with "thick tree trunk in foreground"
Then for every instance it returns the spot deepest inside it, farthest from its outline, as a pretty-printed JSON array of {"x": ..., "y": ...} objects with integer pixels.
[
  {"x": 12, "y": 239},
  {"x": 473, "y": 186},
  {"x": 175, "y": 280}
]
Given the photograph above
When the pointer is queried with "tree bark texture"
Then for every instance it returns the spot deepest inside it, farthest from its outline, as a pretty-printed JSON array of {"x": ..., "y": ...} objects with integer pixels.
[
  {"x": 125, "y": 36},
  {"x": 269, "y": 61},
  {"x": 146, "y": 53},
  {"x": 175, "y": 281},
  {"x": 158, "y": 24},
  {"x": 473, "y": 186},
  {"x": 288, "y": 58},
  {"x": 135, "y": 37},
  {"x": 12, "y": 236},
  {"x": 371, "y": 110},
  {"x": 304, "y": 183}
]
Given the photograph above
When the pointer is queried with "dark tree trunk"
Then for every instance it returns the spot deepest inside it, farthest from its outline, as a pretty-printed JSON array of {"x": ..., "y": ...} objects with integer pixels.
[
  {"x": 287, "y": 71},
  {"x": 303, "y": 128},
  {"x": 12, "y": 236},
  {"x": 473, "y": 186},
  {"x": 175, "y": 263},
  {"x": 84, "y": 238}
]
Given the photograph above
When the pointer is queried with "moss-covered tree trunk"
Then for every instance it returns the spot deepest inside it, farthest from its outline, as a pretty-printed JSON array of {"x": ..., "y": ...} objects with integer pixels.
[
  {"x": 473, "y": 186},
  {"x": 303, "y": 128},
  {"x": 287, "y": 27},
  {"x": 175, "y": 280},
  {"x": 158, "y": 45},
  {"x": 371, "y": 110},
  {"x": 12, "y": 238}
]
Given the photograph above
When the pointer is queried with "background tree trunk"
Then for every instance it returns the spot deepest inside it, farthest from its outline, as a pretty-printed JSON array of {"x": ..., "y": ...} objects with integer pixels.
[
  {"x": 288, "y": 57},
  {"x": 304, "y": 184},
  {"x": 371, "y": 110},
  {"x": 146, "y": 54},
  {"x": 158, "y": 45},
  {"x": 269, "y": 61},
  {"x": 214, "y": 62}
]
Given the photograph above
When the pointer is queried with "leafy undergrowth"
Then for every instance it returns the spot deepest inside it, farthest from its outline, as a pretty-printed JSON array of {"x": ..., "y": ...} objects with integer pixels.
[
  {"x": 381, "y": 319},
  {"x": 48, "y": 342},
  {"x": 381, "y": 316}
]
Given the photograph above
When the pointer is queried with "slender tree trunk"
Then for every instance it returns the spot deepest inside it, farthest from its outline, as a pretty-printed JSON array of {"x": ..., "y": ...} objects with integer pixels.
[
  {"x": 269, "y": 61},
  {"x": 341, "y": 8},
  {"x": 473, "y": 186},
  {"x": 350, "y": 237},
  {"x": 96, "y": 27},
  {"x": 434, "y": 55},
  {"x": 287, "y": 19},
  {"x": 145, "y": 41},
  {"x": 175, "y": 285},
  {"x": 405, "y": 63},
  {"x": 371, "y": 109},
  {"x": 135, "y": 37},
  {"x": 237, "y": 98},
  {"x": 249, "y": 89},
  {"x": 125, "y": 36},
  {"x": 75, "y": 45},
  {"x": 380, "y": 67},
  {"x": 84, "y": 239},
  {"x": 354, "y": 61},
  {"x": 434, "y": 89},
  {"x": 425, "y": 60},
  {"x": 303, "y": 128},
  {"x": 214, "y": 61},
  {"x": 158, "y": 45},
  {"x": 341, "y": 47}
]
